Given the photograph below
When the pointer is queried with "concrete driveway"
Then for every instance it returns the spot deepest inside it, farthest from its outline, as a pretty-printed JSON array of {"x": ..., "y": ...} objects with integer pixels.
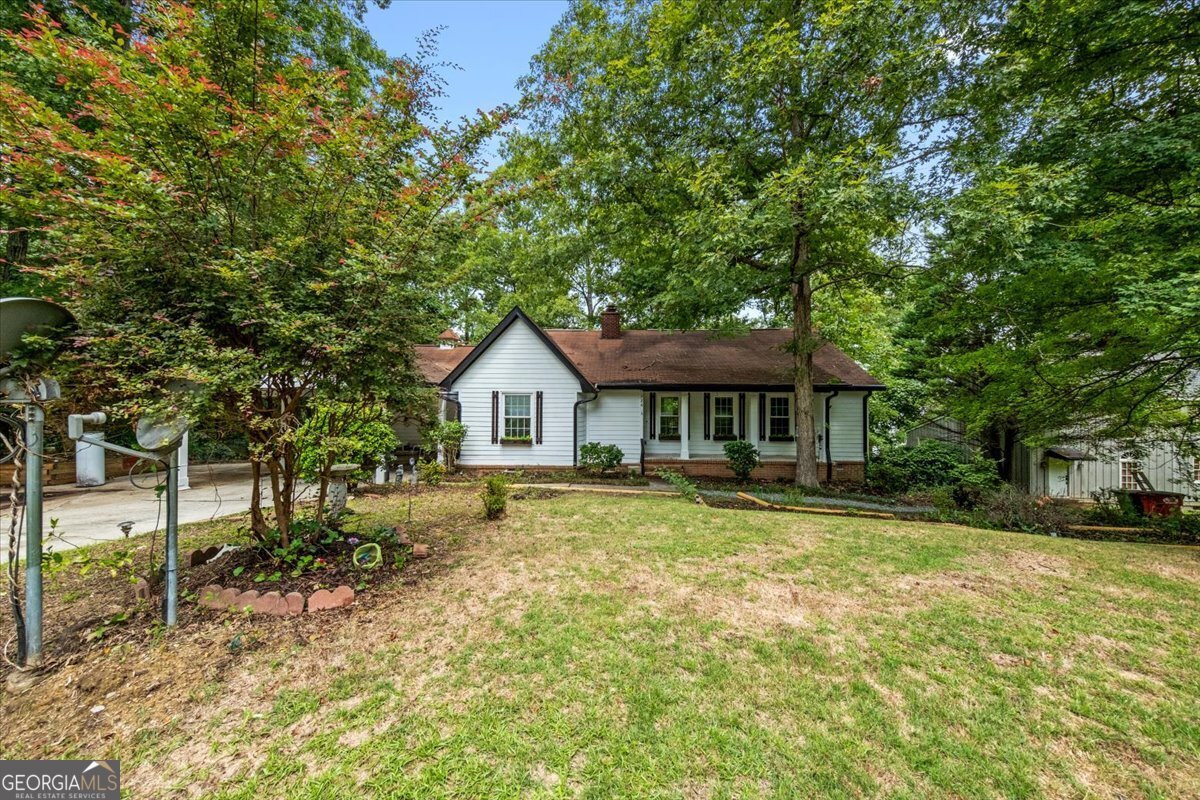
[{"x": 91, "y": 515}]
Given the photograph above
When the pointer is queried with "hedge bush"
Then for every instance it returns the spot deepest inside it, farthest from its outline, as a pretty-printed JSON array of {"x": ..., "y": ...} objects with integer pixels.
[
  {"x": 742, "y": 457},
  {"x": 596, "y": 457},
  {"x": 898, "y": 470},
  {"x": 495, "y": 497},
  {"x": 430, "y": 472}
]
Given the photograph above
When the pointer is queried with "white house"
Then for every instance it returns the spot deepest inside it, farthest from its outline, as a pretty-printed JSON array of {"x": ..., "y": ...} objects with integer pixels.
[{"x": 530, "y": 397}]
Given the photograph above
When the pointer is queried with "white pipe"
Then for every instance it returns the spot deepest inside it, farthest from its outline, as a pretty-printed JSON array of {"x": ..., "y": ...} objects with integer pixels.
[
  {"x": 183, "y": 463},
  {"x": 89, "y": 463}
]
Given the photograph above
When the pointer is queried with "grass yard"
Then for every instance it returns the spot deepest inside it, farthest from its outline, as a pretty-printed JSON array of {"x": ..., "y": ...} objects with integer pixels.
[{"x": 599, "y": 646}]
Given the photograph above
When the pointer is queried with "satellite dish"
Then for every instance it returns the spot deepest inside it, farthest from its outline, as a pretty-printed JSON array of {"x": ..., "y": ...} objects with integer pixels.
[
  {"x": 23, "y": 315},
  {"x": 161, "y": 433}
]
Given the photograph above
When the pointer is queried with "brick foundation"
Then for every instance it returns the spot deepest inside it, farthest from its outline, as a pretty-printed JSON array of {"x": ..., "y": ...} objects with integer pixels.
[
  {"x": 843, "y": 471},
  {"x": 480, "y": 470}
]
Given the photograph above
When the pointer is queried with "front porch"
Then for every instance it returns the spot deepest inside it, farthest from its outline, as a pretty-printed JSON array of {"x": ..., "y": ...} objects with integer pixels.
[{"x": 687, "y": 430}]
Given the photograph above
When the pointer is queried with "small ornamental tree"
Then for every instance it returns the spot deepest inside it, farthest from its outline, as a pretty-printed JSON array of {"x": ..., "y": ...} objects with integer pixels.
[
  {"x": 449, "y": 436},
  {"x": 341, "y": 433},
  {"x": 224, "y": 213}
]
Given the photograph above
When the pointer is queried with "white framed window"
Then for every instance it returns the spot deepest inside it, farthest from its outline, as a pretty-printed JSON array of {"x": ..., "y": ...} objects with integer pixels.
[
  {"x": 723, "y": 427},
  {"x": 1130, "y": 467},
  {"x": 517, "y": 416},
  {"x": 668, "y": 417},
  {"x": 779, "y": 417}
]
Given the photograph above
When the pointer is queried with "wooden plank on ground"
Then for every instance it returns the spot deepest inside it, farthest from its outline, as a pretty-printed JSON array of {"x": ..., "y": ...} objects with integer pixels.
[
  {"x": 833, "y": 512},
  {"x": 1108, "y": 529}
]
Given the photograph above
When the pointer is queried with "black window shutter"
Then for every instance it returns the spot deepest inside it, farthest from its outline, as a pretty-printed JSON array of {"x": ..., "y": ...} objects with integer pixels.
[
  {"x": 741, "y": 415},
  {"x": 762, "y": 416},
  {"x": 653, "y": 414},
  {"x": 495, "y": 417},
  {"x": 706, "y": 420},
  {"x": 538, "y": 434}
]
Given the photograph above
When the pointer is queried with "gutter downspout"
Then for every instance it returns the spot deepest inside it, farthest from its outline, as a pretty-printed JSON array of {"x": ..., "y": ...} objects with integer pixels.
[
  {"x": 452, "y": 397},
  {"x": 828, "y": 450},
  {"x": 575, "y": 427},
  {"x": 866, "y": 435}
]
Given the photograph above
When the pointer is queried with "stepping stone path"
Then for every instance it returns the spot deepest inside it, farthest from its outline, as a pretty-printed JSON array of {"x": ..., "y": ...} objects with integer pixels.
[{"x": 272, "y": 603}]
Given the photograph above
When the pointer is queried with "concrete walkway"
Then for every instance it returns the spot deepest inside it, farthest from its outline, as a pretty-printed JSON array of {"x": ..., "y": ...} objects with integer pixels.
[{"x": 90, "y": 515}]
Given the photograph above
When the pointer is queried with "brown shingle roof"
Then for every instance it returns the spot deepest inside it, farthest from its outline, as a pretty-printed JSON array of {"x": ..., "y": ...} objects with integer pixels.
[
  {"x": 645, "y": 358},
  {"x": 700, "y": 358},
  {"x": 435, "y": 362}
]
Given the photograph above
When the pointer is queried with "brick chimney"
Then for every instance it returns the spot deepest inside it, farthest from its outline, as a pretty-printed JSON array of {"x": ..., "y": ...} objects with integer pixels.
[{"x": 610, "y": 323}]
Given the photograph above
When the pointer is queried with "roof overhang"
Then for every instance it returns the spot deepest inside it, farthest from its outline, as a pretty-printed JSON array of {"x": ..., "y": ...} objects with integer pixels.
[
  {"x": 747, "y": 387},
  {"x": 1066, "y": 453}
]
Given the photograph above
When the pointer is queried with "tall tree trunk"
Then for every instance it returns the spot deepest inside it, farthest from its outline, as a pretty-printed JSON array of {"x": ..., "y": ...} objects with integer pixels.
[{"x": 802, "y": 353}]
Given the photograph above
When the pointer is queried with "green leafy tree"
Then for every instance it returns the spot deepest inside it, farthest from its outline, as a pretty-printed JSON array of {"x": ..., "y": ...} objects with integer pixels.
[
  {"x": 324, "y": 30},
  {"x": 746, "y": 152},
  {"x": 237, "y": 221},
  {"x": 341, "y": 433},
  {"x": 448, "y": 435},
  {"x": 1064, "y": 290}
]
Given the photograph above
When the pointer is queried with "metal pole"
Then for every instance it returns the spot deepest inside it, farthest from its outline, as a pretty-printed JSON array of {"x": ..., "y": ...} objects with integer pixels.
[
  {"x": 172, "y": 537},
  {"x": 34, "y": 421}
]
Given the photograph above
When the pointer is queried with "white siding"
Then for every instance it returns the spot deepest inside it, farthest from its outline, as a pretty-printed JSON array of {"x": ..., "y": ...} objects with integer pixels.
[
  {"x": 615, "y": 417},
  {"x": 1163, "y": 466},
  {"x": 846, "y": 427},
  {"x": 518, "y": 362}
]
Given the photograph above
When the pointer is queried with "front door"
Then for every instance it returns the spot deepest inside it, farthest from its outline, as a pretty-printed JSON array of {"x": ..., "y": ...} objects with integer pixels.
[{"x": 1058, "y": 477}]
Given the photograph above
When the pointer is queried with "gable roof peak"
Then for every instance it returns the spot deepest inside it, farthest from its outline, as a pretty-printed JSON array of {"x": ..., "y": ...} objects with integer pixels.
[{"x": 496, "y": 332}]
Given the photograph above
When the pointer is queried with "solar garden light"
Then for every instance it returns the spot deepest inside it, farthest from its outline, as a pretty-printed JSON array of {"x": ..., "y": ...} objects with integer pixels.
[
  {"x": 20, "y": 316},
  {"x": 160, "y": 438}
]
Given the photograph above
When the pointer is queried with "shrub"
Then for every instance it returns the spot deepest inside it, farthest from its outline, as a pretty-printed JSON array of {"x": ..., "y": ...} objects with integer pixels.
[
  {"x": 1009, "y": 508},
  {"x": 901, "y": 469},
  {"x": 594, "y": 456},
  {"x": 974, "y": 480},
  {"x": 431, "y": 472},
  {"x": 742, "y": 457},
  {"x": 495, "y": 497},
  {"x": 681, "y": 483},
  {"x": 449, "y": 436}
]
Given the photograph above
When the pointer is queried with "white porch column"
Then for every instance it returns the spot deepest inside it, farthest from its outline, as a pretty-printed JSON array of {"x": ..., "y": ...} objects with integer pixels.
[
  {"x": 752, "y": 423},
  {"x": 443, "y": 402},
  {"x": 685, "y": 402}
]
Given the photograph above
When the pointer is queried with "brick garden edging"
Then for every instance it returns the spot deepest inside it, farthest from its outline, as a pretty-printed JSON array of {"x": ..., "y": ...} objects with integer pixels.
[{"x": 273, "y": 603}]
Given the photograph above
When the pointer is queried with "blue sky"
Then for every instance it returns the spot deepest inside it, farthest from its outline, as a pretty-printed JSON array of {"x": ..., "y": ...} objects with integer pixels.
[{"x": 490, "y": 40}]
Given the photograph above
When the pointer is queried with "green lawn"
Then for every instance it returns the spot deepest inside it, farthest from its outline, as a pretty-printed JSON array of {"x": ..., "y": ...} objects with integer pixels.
[{"x": 601, "y": 646}]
